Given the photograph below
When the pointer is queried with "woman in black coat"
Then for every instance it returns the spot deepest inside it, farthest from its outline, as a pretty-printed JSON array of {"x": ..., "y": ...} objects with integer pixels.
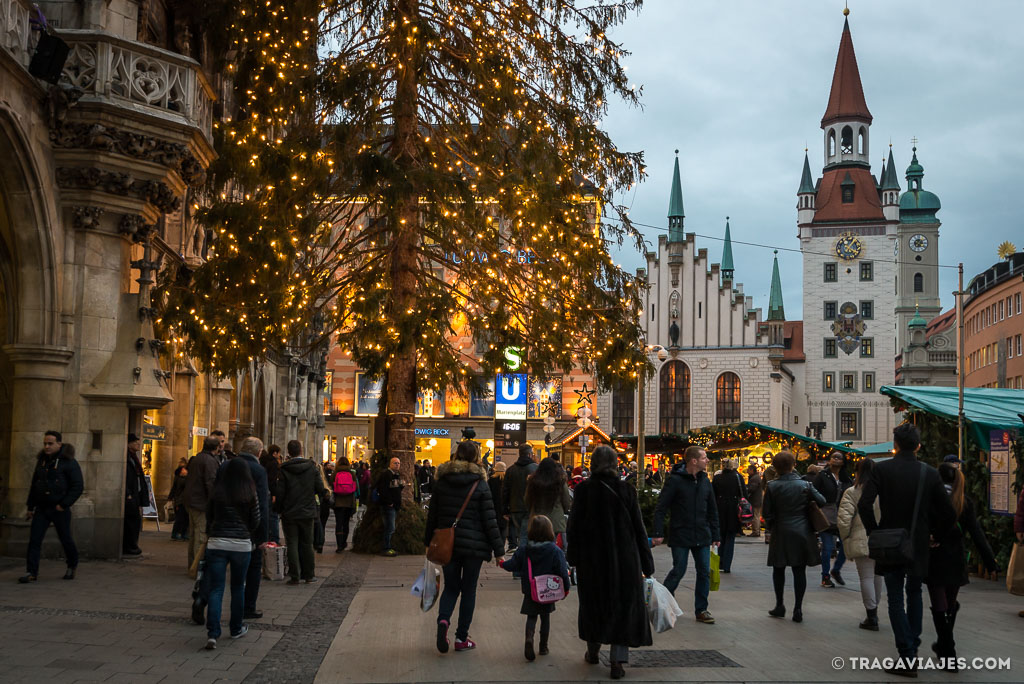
[
  {"x": 729, "y": 489},
  {"x": 477, "y": 538},
  {"x": 947, "y": 563},
  {"x": 792, "y": 542},
  {"x": 495, "y": 482},
  {"x": 608, "y": 545}
]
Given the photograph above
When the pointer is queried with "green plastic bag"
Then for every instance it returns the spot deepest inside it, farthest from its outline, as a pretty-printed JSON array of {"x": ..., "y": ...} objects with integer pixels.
[{"x": 716, "y": 576}]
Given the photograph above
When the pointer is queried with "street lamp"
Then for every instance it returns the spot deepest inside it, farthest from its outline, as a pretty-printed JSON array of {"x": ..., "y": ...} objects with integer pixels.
[{"x": 641, "y": 414}]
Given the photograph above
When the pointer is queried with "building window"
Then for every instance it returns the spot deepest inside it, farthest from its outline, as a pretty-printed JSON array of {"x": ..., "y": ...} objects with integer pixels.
[
  {"x": 867, "y": 347},
  {"x": 847, "y": 195},
  {"x": 1001, "y": 312},
  {"x": 622, "y": 409},
  {"x": 867, "y": 271},
  {"x": 831, "y": 272},
  {"x": 869, "y": 382},
  {"x": 846, "y": 142},
  {"x": 727, "y": 398},
  {"x": 849, "y": 427},
  {"x": 1009, "y": 306},
  {"x": 1016, "y": 299},
  {"x": 867, "y": 309},
  {"x": 1009, "y": 347},
  {"x": 674, "y": 408},
  {"x": 1018, "y": 345},
  {"x": 918, "y": 282},
  {"x": 830, "y": 310},
  {"x": 828, "y": 382},
  {"x": 829, "y": 351},
  {"x": 849, "y": 382}
]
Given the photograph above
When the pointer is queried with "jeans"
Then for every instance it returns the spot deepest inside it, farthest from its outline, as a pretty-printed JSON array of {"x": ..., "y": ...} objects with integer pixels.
[
  {"x": 906, "y": 622},
  {"x": 274, "y": 527},
  {"x": 460, "y": 578},
  {"x": 828, "y": 543},
  {"x": 217, "y": 562},
  {"x": 725, "y": 552},
  {"x": 342, "y": 516},
  {"x": 870, "y": 583},
  {"x": 389, "y": 526},
  {"x": 41, "y": 520},
  {"x": 517, "y": 526},
  {"x": 253, "y": 578},
  {"x": 702, "y": 559},
  {"x": 298, "y": 537}
]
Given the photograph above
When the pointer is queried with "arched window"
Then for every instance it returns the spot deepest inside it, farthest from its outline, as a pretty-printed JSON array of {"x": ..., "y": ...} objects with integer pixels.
[
  {"x": 918, "y": 282},
  {"x": 832, "y": 143},
  {"x": 622, "y": 409},
  {"x": 727, "y": 398},
  {"x": 862, "y": 141},
  {"x": 846, "y": 144},
  {"x": 674, "y": 397}
]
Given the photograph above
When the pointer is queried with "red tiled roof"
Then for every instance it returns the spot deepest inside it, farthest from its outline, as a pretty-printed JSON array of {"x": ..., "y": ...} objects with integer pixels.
[
  {"x": 794, "y": 332},
  {"x": 865, "y": 205},
  {"x": 846, "y": 101},
  {"x": 941, "y": 323}
]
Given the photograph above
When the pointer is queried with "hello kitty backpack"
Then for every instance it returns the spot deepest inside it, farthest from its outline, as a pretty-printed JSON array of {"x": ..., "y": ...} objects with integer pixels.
[{"x": 544, "y": 588}]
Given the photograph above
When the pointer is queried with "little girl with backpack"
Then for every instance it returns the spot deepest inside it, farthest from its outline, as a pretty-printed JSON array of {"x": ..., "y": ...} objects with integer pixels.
[
  {"x": 346, "y": 488},
  {"x": 544, "y": 577}
]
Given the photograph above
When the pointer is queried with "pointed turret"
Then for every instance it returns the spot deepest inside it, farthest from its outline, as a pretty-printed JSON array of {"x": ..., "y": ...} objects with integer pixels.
[
  {"x": 727, "y": 267},
  {"x": 890, "y": 190},
  {"x": 806, "y": 180},
  {"x": 890, "y": 181},
  {"x": 806, "y": 195},
  {"x": 776, "y": 311},
  {"x": 846, "y": 100},
  {"x": 675, "y": 207}
]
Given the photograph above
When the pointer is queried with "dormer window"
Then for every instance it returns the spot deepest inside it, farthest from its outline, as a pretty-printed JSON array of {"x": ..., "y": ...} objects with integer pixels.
[{"x": 848, "y": 195}]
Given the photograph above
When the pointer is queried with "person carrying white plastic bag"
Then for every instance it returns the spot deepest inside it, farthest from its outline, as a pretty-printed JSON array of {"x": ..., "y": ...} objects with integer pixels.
[
  {"x": 662, "y": 608},
  {"x": 427, "y": 585}
]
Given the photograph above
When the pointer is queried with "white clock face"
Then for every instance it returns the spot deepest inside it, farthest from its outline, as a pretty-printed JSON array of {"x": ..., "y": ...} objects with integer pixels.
[{"x": 918, "y": 243}]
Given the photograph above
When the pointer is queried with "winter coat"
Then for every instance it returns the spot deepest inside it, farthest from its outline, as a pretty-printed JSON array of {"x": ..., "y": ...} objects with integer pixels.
[
  {"x": 177, "y": 493},
  {"x": 831, "y": 488},
  {"x": 136, "y": 492},
  {"x": 345, "y": 500},
  {"x": 514, "y": 491},
  {"x": 496, "y": 483},
  {"x": 259, "y": 477},
  {"x": 545, "y": 558},
  {"x": 690, "y": 501},
  {"x": 389, "y": 489},
  {"x": 233, "y": 522},
  {"x": 298, "y": 485},
  {"x": 202, "y": 472},
  {"x": 477, "y": 535},
  {"x": 947, "y": 562},
  {"x": 755, "y": 492},
  {"x": 894, "y": 483},
  {"x": 729, "y": 489},
  {"x": 56, "y": 481},
  {"x": 792, "y": 542},
  {"x": 273, "y": 469},
  {"x": 608, "y": 545},
  {"x": 851, "y": 529},
  {"x": 556, "y": 512}
]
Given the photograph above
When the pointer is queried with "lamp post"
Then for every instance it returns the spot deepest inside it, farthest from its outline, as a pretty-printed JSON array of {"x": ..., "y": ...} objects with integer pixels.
[{"x": 641, "y": 426}]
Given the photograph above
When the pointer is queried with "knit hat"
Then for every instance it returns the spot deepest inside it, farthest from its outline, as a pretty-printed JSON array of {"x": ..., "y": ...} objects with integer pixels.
[{"x": 499, "y": 467}]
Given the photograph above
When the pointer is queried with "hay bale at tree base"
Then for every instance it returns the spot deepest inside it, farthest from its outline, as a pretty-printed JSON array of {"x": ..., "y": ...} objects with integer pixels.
[{"x": 408, "y": 537}]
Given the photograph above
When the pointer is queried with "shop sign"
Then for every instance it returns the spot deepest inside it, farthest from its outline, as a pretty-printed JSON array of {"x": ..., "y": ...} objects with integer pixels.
[
  {"x": 368, "y": 394},
  {"x": 510, "y": 398},
  {"x": 157, "y": 433},
  {"x": 432, "y": 432},
  {"x": 1001, "y": 498},
  {"x": 200, "y": 431}
]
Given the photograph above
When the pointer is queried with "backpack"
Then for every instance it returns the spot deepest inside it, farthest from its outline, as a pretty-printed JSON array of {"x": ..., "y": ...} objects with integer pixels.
[
  {"x": 746, "y": 511},
  {"x": 345, "y": 486}
]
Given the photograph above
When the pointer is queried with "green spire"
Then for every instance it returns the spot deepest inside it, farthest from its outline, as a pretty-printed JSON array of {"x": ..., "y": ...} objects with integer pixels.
[
  {"x": 915, "y": 170},
  {"x": 806, "y": 182},
  {"x": 889, "y": 179},
  {"x": 776, "y": 312},
  {"x": 727, "y": 267},
  {"x": 675, "y": 207},
  {"x": 917, "y": 321}
]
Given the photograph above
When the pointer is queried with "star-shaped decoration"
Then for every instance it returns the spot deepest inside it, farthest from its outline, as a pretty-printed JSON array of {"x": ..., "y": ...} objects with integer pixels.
[{"x": 584, "y": 396}]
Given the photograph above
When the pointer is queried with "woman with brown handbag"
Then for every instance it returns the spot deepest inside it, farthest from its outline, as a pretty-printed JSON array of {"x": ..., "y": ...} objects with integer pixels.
[{"x": 462, "y": 513}]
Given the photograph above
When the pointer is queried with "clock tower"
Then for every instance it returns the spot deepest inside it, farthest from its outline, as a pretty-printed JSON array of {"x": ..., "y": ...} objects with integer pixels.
[{"x": 848, "y": 232}]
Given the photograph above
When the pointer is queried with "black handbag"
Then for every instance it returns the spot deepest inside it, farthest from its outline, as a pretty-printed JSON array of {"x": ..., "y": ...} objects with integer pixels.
[{"x": 895, "y": 546}]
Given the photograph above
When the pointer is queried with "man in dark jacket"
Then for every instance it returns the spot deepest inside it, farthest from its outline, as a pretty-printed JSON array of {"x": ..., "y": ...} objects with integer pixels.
[
  {"x": 271, "y": 462},
  {"x": 298, "y": 485},
  {"x": 389, "y": 493},
  {"x": 136, "y": 497},
  {"x": 514, "y": 492},
  {"x": 690, "y": 499},
  {"x": 251, "y": 447},
  {"x": 729, "y": 489},
  {"x": 56, "y": 485},
  {"x": 895, "y": 484},
  {"x": 202, "y": 472},
  {"x": 831, "y": 483}
]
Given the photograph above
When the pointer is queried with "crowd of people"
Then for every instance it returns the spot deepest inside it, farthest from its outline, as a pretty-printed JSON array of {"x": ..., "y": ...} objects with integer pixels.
[{"x": 581, "y": 525}]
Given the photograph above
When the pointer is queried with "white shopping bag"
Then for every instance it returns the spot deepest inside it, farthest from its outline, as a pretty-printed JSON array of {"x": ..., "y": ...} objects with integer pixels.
[
  {"x": 662, "y": 609},
  {"x": 274, "y": 559},
  {"x": 431, "y": 585}
]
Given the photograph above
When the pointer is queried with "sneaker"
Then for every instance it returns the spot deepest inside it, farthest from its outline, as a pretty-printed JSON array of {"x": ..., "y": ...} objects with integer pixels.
[
  {"x": 293, "y": 580},
  {"x": 211, "y": 644},
  {"x": 390, "y": 553},
  {"x": 242, "y": 632},
  {"x": 705, "y": 617},
  {"x": 25, "y": 579},
  {"x": 311, "y": 580},
  {"x": 466, "y": 645},
  {"x": 442, "y": 636},
  {"x": 827, "y": 583},
  {"x": 838, "y": 578}
]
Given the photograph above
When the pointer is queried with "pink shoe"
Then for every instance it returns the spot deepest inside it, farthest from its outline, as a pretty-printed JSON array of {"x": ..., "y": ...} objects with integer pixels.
[{"x": 465, "y": 645}]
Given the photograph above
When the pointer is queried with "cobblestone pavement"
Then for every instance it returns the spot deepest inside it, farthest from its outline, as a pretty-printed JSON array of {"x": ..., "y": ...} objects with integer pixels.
[{"x": 129, "y": 621}]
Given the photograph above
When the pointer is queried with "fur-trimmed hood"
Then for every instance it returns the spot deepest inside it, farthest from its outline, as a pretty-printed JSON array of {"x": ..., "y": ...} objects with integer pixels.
[{"x": 459, "y": 468}]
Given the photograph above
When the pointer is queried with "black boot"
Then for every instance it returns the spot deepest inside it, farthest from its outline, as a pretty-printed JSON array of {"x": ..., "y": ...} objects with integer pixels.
[
  {"x": 871, "y": 621},
  {"x": 944, "y": 647}
]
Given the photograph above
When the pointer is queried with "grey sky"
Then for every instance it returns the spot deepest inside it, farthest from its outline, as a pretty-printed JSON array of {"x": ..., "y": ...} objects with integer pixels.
[{"x": 740, "y": 87}]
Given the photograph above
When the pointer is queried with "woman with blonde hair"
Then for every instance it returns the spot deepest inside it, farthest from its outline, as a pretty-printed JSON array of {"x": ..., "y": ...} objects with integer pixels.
[{"x": 855, "y": 541}]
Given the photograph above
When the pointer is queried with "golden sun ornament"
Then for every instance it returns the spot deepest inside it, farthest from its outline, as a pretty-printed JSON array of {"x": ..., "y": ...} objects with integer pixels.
[{"x": 1006, "y": 250}]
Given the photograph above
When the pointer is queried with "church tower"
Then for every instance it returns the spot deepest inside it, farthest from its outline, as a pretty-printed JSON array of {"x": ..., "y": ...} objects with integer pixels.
[
  {"x": 676, "y": 216},
  {"x": 847, "y": 237}
]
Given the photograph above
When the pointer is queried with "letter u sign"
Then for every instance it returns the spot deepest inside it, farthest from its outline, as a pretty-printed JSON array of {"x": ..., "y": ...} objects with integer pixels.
[{"x": 510, "y": 388}]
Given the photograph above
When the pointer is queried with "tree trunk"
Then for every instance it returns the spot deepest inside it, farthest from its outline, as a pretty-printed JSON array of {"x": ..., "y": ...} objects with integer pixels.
[{"x": 401, "y": 383}]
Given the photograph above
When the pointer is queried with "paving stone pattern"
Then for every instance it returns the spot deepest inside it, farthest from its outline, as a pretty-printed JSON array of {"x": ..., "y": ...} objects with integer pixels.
[{"x": 674, "y": 658}]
